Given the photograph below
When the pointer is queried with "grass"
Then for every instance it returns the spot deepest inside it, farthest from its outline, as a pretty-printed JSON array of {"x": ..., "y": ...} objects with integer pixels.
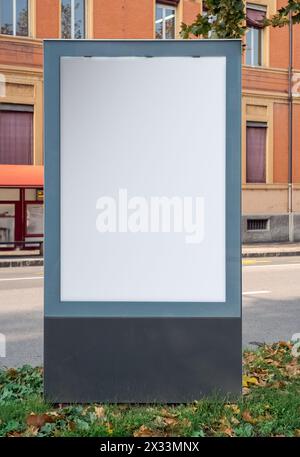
[{"x": 270, "y": 406}]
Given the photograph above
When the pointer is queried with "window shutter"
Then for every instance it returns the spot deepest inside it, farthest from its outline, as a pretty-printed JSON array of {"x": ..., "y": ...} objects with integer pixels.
[
  {"x": 168, "y": 2},
  {"x": 16, "y": 137},
  {"x": 256, "y": 152},
  {"x": 255, "y": 18}
]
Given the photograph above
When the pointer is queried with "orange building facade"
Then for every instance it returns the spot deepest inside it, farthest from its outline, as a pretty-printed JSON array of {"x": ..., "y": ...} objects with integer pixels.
[{"x": 271, "y": 104}]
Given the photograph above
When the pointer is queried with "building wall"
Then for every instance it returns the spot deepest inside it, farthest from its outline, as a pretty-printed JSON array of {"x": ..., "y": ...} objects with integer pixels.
[
  {"x": 123, "y": 19},
  {"x": 47, "y": 18},
  {"x": 265, "y": 89},
  {"x": 265, "y": 99},
  {"x": 21, "y": 70},
  {"x": 190, "y": 9},
  {"x": 279, "y": 43}
]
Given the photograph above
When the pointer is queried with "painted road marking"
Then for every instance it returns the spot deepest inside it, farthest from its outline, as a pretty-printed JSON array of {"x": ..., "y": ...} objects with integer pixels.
[
  {"x": 257, "y": 292},
  {"x": 254, "y": 261}
]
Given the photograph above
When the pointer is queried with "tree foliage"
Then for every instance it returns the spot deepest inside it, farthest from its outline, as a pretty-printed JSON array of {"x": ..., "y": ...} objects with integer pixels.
[
  {"x": 282, "y": 17},
  {"x": 221, "y": 19},
  {"x": 226, "y": 19}
]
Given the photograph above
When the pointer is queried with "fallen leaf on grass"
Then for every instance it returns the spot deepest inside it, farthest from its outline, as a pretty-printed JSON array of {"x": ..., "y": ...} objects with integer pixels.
[
  {"x": 38, "y": 420},
  {"x": 297, "y": 432},
  {"x": 248, "y": 418},
  {"x": 273, "y": 362},
  {"x": 263, "y": 418},
  {"x": 278, "y": 385},
  {"x": 71, "y": 426},
  {"x": 170, "y": 421},
  {"x": 261, "y": 380},
  {"x": 234, "y": 420},
  {"x": 249, "y": 380},
  {"x": 293, "y": 368},
  {"x": 186, "y": 423},
  {"x": 31, "y": 431},
  {"x": 228, "y": 431},
  {"x": 163, "y": 422},
  {"x": 225, "y": 427},
  {"x": 159, "y": 422},
  {"x": 100, "y": 412},
  {"x": 249, "y": 357},
  {"x": 55, "y": 415},
  {"x": 144, "y": 431},
  {"x": 12, "y": 373},
  {"x": 246, "y": 391},
  {"x": 284, "y": 344},
  {"x": 14, "y": 434},
  {"x": 109, "y": 427},
  {"x": 167, "y": 413},
  {"x": 233, "y": 407}
]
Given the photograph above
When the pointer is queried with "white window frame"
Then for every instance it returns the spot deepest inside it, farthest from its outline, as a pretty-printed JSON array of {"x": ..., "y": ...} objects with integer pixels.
[
  {"x": 73, "y": 3},
  {"x": 14, "y": 18},
  {"x": 165, "y": 18},
  {"x": 255, "y": 7}
]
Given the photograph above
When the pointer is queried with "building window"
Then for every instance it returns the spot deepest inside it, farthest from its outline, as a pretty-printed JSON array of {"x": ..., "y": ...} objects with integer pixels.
[
  {"x": 7, "y": 223},
  {"x": 256, "y": 15},
  {"x": 73, "y": 19},
  {"x": 14, "y": 17},
  {"x": 165, "y": 21},
  {"x": 16, "y": 137},
  {"x": 34, "y": 219},
  {"x": 256, "y": 152}
]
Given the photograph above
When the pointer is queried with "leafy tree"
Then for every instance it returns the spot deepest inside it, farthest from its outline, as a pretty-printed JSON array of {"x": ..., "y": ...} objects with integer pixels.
[
  {"x": 226, "y": 19},
  {"x": 282, "y": 17},
  {"x": 221, "y": 19}
]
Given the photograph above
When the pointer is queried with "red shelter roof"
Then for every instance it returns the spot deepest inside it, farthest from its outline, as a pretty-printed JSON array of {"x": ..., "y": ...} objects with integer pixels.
[{"x": 21, "y": 176}]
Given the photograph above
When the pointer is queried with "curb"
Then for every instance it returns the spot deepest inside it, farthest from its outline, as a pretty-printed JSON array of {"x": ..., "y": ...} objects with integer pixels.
[
  {"x": 6, "y": 263},
  {"x": 271, "y": 254}
]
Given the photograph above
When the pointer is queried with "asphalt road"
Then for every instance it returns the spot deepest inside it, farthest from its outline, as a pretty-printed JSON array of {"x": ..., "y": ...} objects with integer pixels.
[
  {"x": 21, "y": 315},
  {"x": 271, "y": 299},
  {"x": 271, "y": 306}
]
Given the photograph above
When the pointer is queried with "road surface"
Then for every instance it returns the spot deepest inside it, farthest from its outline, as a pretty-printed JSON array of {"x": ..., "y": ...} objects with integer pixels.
[{"x": 271, "y": 306}]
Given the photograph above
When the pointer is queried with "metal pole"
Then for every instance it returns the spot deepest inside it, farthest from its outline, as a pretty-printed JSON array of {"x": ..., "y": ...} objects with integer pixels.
[{"x": 290, "y": 152}]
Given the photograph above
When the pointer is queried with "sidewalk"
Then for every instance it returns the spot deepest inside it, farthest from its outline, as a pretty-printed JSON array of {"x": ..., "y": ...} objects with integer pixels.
[
  {"x": 271, "y": 249},
  {"x": 19, "y": 258},
  {"x": 21, "y": 262}
]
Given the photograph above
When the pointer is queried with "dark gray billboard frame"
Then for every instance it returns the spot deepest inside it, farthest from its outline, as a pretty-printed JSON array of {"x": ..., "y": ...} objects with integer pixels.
[{"x": 141, "y": 352}]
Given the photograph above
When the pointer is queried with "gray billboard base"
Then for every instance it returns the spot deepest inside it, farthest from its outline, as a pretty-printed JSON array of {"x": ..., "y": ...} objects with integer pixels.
[{"x": 141, "y": 360}]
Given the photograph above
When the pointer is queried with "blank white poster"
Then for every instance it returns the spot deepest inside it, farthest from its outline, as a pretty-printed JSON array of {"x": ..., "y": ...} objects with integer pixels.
[{"x": 143, "y": 179}]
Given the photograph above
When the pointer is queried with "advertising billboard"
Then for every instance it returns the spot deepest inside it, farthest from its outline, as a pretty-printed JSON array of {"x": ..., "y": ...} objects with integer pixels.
[{"x": 142, "y": 255}]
